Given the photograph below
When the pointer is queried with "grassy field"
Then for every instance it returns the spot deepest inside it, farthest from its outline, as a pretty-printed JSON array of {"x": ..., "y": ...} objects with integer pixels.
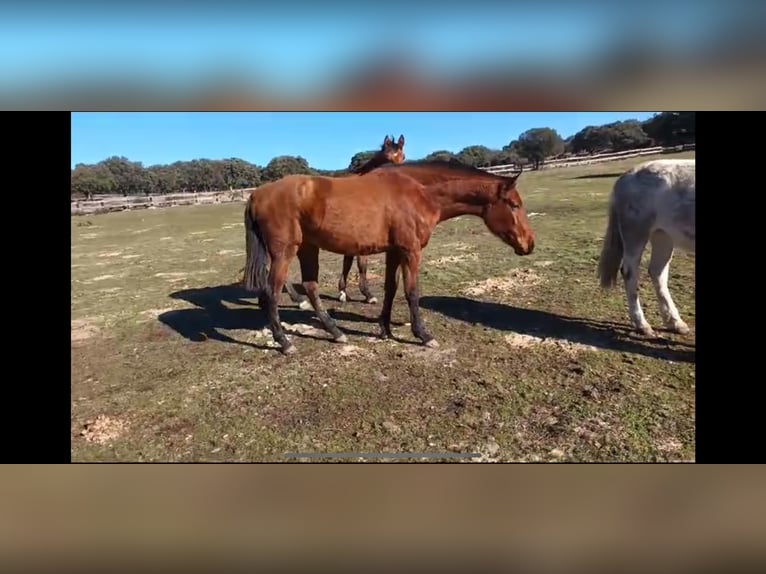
[{"x": 170, "y": 361}]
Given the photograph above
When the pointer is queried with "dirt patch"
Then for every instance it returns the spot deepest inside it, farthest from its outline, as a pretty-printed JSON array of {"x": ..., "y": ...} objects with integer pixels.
[
  {"x": 198, "y": 233},
  {"x": 89, "y": 235},
  {"x": 458, "y": 246},
  {"x": 544, "y": 263},
  {"x": 438, "y": 356},
  {"x": 110, "y": 254},
  {"x": 517, "y": 278},
  {"x": 452, "y": 259},
  {"x": 351, "y": 351},
  {"x": 670, "y": 445},
  {"x": 230, "y": 252},
  {"x": 166, "y": 238},
  {"x": 82, "y": 330},
  {"x": 101, "y": 278},
  {"x": 304, "y": 329},
  {"x": 133, "y": 256},
  {"x": 140, "y": 231},
  {"x": 150, "y": 314},
  {"x": 102, "y": 429},
  {"x": 521, "y": 340}
]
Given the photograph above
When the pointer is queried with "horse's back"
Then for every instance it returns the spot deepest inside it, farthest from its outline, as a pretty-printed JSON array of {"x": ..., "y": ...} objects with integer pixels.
[
  {"x": 275, "y": 193},
  {"x": 647, "y": 182},
  {"x": 661, "y": 194}
]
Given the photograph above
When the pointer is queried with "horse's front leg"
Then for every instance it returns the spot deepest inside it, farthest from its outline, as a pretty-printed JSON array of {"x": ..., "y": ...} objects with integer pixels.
[
  {"x": 410, "y": 271},
  {"x": 309, "y": 259}
]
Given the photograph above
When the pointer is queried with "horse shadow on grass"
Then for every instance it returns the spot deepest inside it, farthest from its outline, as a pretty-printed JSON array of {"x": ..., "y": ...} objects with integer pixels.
[
  {"x": 599, "y": 334},
  {"x": 598, "y": 176},
  {"x": 210, "y": 316}
]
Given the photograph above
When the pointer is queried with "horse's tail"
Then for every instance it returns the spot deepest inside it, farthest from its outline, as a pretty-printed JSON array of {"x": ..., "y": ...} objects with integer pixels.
[
  {"x": 611, "y": 251},
  {"x": 256, "y": 254}
]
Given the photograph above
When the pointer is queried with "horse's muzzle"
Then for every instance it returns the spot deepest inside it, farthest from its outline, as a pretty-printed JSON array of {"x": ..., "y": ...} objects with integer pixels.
[{"x": 525, "y": 249}]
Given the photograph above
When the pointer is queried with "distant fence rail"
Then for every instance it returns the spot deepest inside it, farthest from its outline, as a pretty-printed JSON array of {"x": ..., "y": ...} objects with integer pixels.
[
  {"x": 595, "y": 158},
  {"x": 108, "y": 202}
]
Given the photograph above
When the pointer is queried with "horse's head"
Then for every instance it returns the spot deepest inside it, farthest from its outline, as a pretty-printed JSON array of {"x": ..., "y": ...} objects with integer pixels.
[
  {"x": 506, "y": 217},
  {"x": 393, "y": 152}
]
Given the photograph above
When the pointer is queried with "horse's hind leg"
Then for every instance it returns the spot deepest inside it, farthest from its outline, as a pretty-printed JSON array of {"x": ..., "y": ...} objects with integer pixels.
[
  {"x": 635, "y": 243},
  {"x": 309, "y": 259},
  {"x": 347, "y": 261},
  {"x": 364, "y": 288},
  {"x": 277, "y": 276},
  {"x": 659, "y": 268},
  {"x": 393, "y": 261}
]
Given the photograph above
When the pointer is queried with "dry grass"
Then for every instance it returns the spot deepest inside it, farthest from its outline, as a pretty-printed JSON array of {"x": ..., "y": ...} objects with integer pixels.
[{"x": 170, "y": 360}]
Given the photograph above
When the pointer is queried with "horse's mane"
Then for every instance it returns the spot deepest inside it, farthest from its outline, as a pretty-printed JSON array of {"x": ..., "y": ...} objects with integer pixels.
[{"x": 452, "y": 165}]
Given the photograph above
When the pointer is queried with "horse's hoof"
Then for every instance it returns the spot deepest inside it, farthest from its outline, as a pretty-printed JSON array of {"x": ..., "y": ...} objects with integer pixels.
[
  {"x": 432, "y": 344},
  {"x": 647, "y": 331},
  {"x": 681, "y": 328},
  {"x": 289, "y": 350},
  {"x": 342, "y": 297},
  {"x": 372, "y": 300},
  {"x": 341, "y": 339},
  {"x": 305, "y": 305}
]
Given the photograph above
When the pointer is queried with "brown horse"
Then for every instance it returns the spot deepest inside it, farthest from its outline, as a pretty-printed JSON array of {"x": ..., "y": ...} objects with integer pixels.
[
  {"x": 386, "y": 210},
  {"x": 389, "y": 153}
]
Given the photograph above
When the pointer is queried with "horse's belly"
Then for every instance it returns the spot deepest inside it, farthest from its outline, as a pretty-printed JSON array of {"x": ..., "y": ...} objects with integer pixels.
[
  {"x": 347, "y": 244},
  {"x": 684, "y": 238}
]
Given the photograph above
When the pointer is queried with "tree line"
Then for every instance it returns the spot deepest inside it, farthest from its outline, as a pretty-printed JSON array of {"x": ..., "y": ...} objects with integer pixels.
[{"x": 531, "y": 149}]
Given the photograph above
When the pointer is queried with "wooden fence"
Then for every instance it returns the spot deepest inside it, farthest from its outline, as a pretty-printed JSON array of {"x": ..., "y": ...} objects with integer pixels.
[
  {"x": 595, "y": 158},
  {"x": 107, "y": 203}
]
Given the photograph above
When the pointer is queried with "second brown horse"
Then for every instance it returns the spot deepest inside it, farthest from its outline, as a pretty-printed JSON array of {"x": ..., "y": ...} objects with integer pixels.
[
  {"x": 384, "y": 211},
  {"x": 389, "y": 153}
]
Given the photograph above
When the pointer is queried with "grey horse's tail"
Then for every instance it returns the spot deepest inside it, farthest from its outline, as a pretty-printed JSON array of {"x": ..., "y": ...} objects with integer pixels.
[
  {"x": 256, "y": 254},
  {"x": 611, "y": 251}
]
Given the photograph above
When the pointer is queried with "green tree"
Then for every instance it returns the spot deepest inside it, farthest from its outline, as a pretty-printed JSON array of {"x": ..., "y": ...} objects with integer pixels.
[
  {"x": 590, "y": 139},
  {"x": 359, "y": 159},
  {"x": 89, "y": 180},
  {"x": 538, "y": 143},
  {"x": 284, "y": 165},
  {"x": 476, "y": 155},
  {"x": 671, "y": 128},
  {"x": 236, "y": 173},
  {"x": 129, "y": 176},
  {"x": 628, "y": 134}
]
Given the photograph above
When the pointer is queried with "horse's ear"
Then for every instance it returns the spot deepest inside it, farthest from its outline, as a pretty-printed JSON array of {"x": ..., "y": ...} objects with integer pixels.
[
  {"x": 400, "y": 143},
  {"x": 387, "y": 141}
]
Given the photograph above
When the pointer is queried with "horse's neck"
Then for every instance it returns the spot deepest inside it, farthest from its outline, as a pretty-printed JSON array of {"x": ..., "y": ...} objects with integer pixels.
[
  {"x": 461, "y": 197},
  {"x": 372, "y": 163}
]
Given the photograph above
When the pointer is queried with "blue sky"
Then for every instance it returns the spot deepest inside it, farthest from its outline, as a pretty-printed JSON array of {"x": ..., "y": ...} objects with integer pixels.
[
  {"x": 304, "y": 47},
  {"x": 326, "y": 139}
]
